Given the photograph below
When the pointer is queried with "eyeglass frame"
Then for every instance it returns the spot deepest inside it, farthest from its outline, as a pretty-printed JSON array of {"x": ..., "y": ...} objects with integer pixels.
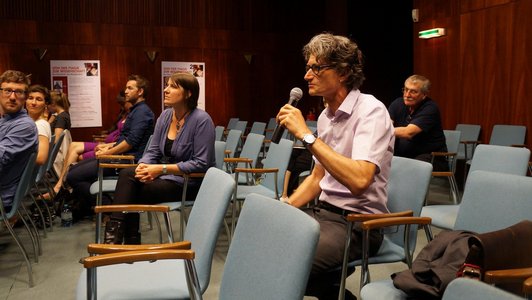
[
  {"x": 18, "y": 93},
  {"x": 413, "y": 92},
  {"x": 318, "y": 67}
]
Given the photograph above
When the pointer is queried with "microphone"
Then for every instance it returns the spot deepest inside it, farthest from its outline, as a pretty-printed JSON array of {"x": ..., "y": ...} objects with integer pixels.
[{"x": 295, "y": 94}]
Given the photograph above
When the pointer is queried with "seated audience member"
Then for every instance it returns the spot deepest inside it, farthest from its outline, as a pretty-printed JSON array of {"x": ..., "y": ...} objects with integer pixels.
[
  {"x": 18, "y": 133},
  {"x": 83, "y": 150},
  {"x": 36, "y": 105},
  {"x": 60, "y": 121},
  {"x": 417, "y": 121},
  {"x": 132, "y": 140},
  {"x": 352, "y": 154},
  {"x": 183, "y": 142}
]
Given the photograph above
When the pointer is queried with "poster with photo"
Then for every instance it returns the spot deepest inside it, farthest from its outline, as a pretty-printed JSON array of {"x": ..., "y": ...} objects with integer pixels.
[
  {"x": 195, "y": 68},
  {"x": 80, "y": 80}
]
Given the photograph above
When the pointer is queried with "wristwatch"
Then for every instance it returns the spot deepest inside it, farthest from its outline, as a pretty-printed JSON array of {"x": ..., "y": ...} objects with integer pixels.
[
  {"x": 165, "y": 170},
  {"x": 308, "y": 139}
]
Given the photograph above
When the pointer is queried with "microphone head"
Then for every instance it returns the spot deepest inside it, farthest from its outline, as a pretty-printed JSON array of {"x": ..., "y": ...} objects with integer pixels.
[{"x": 296, "y": 94}]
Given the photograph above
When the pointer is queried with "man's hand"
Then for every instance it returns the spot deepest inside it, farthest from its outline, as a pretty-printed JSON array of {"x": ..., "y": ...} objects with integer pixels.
[{"x": 292, "y": 119}]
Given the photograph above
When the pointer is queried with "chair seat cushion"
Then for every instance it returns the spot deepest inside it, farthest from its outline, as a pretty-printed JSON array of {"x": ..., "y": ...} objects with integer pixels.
[
  {"x": 163, "y": 279},
  {"x": 383, "y": 289},
  {"x": 108, "y": 185},
  {"x": 443, "y": 216}
]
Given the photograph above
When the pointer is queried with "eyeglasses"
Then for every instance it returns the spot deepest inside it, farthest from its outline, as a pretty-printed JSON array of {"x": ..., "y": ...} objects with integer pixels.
[
  {"x": 18, "y": 93},
  {"x": 412, "y": 92},
  {"x": 316, "y": 69}
]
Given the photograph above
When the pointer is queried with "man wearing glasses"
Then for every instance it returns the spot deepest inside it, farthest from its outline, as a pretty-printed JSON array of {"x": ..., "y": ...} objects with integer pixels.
[
  {"x": 352, "y": 154},
  {"x": 18, "y": 133},
  {"x": 417, "y": 122}
]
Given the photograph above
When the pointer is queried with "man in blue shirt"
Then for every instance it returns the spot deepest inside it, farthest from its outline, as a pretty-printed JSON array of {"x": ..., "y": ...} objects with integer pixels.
[
  {"x": 18, "y": 133},
  {"x": 132, "y": 140}
]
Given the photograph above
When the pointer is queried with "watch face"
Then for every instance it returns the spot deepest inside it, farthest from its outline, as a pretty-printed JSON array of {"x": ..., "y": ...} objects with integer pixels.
[{"x": 309, "y": 139}]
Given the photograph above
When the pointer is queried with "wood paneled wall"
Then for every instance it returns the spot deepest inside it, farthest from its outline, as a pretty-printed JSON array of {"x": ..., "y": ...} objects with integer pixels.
[
  {"x": 220, "y": 33},
  {"x": 481, "y": 70}
]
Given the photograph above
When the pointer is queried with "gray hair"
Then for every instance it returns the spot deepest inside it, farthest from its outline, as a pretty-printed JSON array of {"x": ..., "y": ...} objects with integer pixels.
[{"x": 425, "y": 82}]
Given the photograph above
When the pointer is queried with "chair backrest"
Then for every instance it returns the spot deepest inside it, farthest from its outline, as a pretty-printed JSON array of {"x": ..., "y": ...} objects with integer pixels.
[
  {"x": 469, "y": 132},
  {"x": 269, "y": 129},
  {"x": 311, "y": 123},
  {"x": 465, "y": 288},
  {"x": 278, "y": 157},
  {"x": 206, "y": 218},
  {"x": 219, "y": 153},
  {"x": 23, "y": 185},
  {"x": 408, "y": 184},
  {"x": 231, "y": 143},
  {"x": 55, "y": 150},
  {"x": 251, "y": 149},
  {"x": 232, "y": 123},
  {"x": 452, "y": 140},
  {"x": 241, "y": 125},
  {"x": 219, "y": 130},
  {"x": 41, "y": 170},
  {"x": 503, "y": 159},
  {"x": 271, "y": 252},
  {"x": 493, "y": 201},
  {"x": 258, "y": 128},
  {"x": 507, "y": 135}
]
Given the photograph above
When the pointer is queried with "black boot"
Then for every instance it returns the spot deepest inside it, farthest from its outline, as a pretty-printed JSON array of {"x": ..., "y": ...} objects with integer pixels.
[
  {"x": 131, "y": 230},
  {"x": 114, "y": 232},
  {"x": 132, "y": 238}
]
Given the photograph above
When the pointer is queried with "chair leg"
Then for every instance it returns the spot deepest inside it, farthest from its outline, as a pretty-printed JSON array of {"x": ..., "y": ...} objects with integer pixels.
[
  {"x": 32, "y": 237},
  {"x": 455, "y": 193},
  {"x": 34, "y": 232},
  {"x": 22, "y": 249}
]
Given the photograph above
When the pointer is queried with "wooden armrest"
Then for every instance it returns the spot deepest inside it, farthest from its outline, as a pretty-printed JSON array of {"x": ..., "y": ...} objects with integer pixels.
[
  {"x": 527, "y": 286},
  {"x": 518, "y": 145},
  {"x": 507, "y": 276},
  {"x": 131, "y": 208},
  {"x": 110, "y": 248},
  {"x": 116, "y": 156},
  {"x": 385, "y": 222},
  {"x": 135, "y": 256},
  {"x": 267, "y": 141},
  {"x": 238, "y": 159},
  {"x": 268, "y": 130},
  {"x": 227, "y": 152},
  {"x": 443, "y": 153},
  {"x": 116, "y": 166},
  {"x": 257, "y": 170},
  {"x": 442, "y": 173},
  {"x": 367, "y": 217}
]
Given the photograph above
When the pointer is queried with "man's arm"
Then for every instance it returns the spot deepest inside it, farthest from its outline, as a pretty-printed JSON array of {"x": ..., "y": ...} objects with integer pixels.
[
  {"x": 308, "y": 189},
  {"x": 356, "y": 175},
  {"x": 407, "y": 132}
]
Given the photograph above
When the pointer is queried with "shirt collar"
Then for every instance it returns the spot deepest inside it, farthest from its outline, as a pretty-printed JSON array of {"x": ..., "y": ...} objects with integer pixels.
[{"x": 347, "y": 105}]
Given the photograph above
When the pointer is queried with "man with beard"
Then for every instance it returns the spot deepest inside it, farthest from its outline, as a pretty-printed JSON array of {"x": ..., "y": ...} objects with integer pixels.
[{"x": 133, "y": 139}]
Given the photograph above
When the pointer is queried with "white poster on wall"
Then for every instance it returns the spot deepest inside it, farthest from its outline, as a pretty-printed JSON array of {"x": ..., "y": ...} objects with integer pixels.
[
  {"x": 195, "y": 68},
  {"x": 80, "y": 80}
]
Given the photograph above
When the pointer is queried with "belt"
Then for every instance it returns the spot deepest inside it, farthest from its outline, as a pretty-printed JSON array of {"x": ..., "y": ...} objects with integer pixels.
[{"x": 334, "y": 209}]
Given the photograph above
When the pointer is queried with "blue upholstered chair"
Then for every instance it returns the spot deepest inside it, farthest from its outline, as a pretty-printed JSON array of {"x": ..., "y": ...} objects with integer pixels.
[
  {"x": 408, "y": 184},
  {"x": 23, "y": 187},
  {"x": 464, "y": 288},
  {"x": 491, "y": 201},
  {"x": 156, "y": 277},
  {"x": 503, "y": 159},
  {"x": 271, "y": 252}
]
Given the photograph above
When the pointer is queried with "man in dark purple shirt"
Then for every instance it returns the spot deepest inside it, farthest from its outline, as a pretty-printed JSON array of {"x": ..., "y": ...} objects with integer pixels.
[{"x": 18, "y": 133}]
